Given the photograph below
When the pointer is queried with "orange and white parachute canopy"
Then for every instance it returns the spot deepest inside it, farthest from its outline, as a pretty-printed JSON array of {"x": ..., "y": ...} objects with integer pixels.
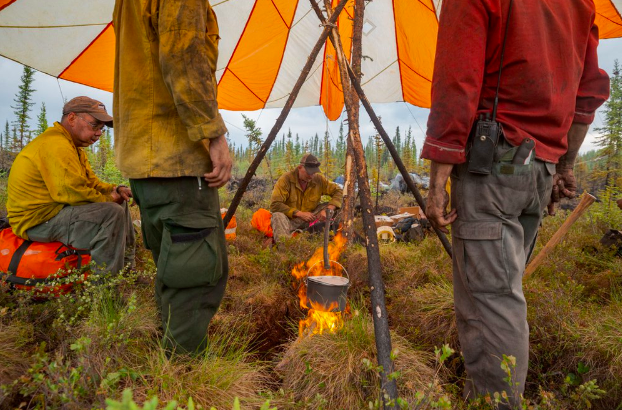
[{"x": 264, "y": 45}]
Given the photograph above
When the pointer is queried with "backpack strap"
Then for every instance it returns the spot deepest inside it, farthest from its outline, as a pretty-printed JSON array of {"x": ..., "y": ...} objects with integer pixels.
[
  {"x": 17, "y": 257},
  {"x": 70, "y": 252}
]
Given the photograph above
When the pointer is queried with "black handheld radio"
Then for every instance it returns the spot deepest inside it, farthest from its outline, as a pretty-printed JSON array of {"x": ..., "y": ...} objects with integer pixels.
[{"x": 486, "y": 131}]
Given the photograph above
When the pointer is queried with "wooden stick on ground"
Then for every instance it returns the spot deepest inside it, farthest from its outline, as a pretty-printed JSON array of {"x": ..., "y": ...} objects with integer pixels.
[{"x": 584, "y": 204}]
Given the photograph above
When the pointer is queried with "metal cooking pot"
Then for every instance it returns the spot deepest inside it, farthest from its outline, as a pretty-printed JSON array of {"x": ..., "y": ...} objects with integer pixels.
[{"x": 330, "y": 292}]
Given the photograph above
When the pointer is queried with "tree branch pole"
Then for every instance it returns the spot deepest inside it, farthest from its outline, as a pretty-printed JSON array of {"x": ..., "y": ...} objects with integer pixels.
[
  {"x": 394, "y": 154},
  {"x": 379, "y": 309},
  {"x": 284, "y": 113},
  {"x": 349, "y": 197}
]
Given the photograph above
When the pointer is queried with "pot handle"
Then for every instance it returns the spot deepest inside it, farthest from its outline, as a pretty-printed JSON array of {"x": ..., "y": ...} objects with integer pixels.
[{"x": 342, "y": 268}]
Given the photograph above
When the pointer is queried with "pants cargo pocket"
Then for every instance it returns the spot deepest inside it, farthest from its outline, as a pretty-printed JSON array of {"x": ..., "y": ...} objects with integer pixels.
[
  {"x": 190, "y": 254},
  {"x": 483, "y": 261}
]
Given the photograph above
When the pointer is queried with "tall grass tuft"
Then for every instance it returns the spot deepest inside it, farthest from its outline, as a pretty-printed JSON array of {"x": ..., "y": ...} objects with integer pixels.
[{"x": 332, "y": 371}]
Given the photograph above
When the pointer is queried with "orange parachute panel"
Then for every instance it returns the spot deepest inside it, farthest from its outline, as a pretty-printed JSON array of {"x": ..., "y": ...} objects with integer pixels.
[
  {"x": 252, "y": 70},
  {"x": 608, "y": 19},
  {"x": 95, "y": 65},
  {"x": 416, "y": 45},
  {"x": 331, "y": 94},
  {"x": 5, "y": 3}
]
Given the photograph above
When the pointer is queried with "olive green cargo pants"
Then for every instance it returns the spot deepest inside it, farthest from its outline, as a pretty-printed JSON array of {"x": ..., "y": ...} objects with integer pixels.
[
  {"x": 104, "y": 228},
  {"x": 182, "y": 227},
  {"x": 492, "y": 239}
]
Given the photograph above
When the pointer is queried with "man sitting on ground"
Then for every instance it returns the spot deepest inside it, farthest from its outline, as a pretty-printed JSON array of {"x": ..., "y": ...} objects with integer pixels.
[
  {"x": 54, "y": 195},
  {"x": 295, "y": 201}
]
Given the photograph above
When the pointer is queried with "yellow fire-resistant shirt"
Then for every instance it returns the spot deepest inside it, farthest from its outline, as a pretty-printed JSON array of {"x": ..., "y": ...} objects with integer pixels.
[
  {"x": 288, "y": 196},
  {"x": 48, "y": 174},
  {"x": 165, "y": 87}
]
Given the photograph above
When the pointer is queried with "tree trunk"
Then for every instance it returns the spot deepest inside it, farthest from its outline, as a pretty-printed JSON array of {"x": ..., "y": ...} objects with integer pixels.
[
  {"x": 379, "y": 310},
  {"x": 349, "y": 199}
]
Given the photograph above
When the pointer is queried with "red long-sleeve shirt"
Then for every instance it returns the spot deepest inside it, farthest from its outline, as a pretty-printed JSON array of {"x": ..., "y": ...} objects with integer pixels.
[{"x": 550, "y": 76}]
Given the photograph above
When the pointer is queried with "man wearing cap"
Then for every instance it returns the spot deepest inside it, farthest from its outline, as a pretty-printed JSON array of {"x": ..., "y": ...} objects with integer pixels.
[
  {"x": 54, "y": 195},
  {"x": 296, "y": 198}
]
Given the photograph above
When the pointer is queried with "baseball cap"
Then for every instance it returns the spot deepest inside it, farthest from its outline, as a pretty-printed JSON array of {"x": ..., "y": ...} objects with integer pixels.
[
  {"x": 89, "y": 106},
  {"x": 311, "y": 164}
]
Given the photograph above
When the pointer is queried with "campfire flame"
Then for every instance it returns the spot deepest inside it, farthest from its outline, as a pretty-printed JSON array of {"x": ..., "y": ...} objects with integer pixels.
[{"x": 319, "y": 320}]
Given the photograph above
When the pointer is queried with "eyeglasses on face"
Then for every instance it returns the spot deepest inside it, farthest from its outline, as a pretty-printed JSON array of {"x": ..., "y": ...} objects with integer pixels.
[{"x": 94, "y": 126}]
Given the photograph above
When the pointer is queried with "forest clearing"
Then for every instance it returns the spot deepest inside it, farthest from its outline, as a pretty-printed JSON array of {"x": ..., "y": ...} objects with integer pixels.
[{"x": 80, "y": 349}]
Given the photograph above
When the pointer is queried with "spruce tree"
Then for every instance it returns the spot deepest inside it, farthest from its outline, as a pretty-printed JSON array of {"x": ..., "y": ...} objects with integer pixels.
[
  {"x": 397, "y": 140},
  {"x": 253, "y": 134},
  {"x": 42, "y": 120},
  {"x": 328, "y": 157},
  {"x": 610, "y": 139},
  {"x": 23, "y": 103},
  {"x": 407, "y": 153},
  {"x": 6, "y": 143}
]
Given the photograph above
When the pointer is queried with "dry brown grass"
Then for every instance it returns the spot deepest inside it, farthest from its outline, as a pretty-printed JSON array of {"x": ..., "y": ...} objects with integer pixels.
[
  {"x": 426, "y": 315},
  {"x": 214, "y": 380},
  {"x": 327, "y": 371},
  {"x": 15, "y": 350}
]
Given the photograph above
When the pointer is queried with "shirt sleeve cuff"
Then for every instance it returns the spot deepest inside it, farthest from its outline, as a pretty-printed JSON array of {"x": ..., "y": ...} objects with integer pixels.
[
  {"x": 290, "y": 213},
  {"x": 208, "y": 130},
  {"x": 438, "y": 151},
  {"x": 583, "y": 117}
]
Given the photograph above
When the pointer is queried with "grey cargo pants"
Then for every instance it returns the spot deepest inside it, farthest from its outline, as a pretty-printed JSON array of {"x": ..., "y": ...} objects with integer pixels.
[
  {"x": 492, "y": 239},
  {"x": 105, "y": 228},
  {"x": 283, "y": 227}
]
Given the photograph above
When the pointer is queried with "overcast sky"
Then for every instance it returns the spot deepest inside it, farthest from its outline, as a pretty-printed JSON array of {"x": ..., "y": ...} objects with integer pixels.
[{"x": 304, "y": 121}]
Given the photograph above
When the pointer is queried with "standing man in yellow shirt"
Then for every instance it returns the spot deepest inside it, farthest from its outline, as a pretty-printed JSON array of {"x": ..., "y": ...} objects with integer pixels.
[
  {"x": 170, "y": 142},
  {"x": 54, "y": 195}
]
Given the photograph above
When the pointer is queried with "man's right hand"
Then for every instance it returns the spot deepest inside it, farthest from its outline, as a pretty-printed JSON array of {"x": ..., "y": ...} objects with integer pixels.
[
  {"x": 436, "y": 206},
  {"x": 116, "y": 197},
  {"x": 564, "y": 186},
  {"x": 306, "y": 216},
  {"x": 221, "y": 161}
]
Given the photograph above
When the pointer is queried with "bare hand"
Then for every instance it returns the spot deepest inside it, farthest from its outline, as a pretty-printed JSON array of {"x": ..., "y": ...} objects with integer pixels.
[
  {"x": 125, "y": 193},
  {"x": 307, "y": 216},
  {"x": 436, "y": 210},
  {"x": 221, "y": 161},
  {"x": 116, "y": 197},
  {"x": 322, "y": 215},
  {"x": 564, "y": 186},
  {"x": 438, "y": 199}
]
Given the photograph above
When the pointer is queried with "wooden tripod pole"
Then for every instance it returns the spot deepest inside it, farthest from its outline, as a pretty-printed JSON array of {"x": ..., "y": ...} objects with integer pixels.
[
  {"x": 379, "y": 309},
  {"x": 284, "y": 113},
  {"x": 557, "y": 237},
  {"x": 394, "y": 154}
]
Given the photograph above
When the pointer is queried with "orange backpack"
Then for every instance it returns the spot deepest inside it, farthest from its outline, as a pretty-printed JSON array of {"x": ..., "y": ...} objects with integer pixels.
[
  {"x": 39, "y": 266},
  {"x": 262, "y": 221}
]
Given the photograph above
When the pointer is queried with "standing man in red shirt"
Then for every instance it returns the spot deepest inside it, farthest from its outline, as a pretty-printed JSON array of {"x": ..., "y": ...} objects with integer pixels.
[{"x": 548, "y": 92}]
